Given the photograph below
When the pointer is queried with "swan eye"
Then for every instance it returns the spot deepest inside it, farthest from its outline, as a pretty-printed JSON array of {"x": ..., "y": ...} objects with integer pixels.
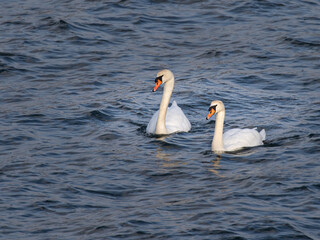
[
  {"x": 212, "y": 110},
  {"x": 158, "y": 79},
  {"x": 212, "y": 107},
  {"x": 158, "y": 82}
]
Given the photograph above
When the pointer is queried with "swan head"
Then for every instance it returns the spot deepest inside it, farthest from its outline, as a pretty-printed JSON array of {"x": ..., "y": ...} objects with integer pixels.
[
  {"x": 162, "y": 77},
  {"x": 215, "y": 107}
]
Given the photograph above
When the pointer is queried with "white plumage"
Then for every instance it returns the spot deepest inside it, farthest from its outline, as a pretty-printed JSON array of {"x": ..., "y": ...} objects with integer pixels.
[
  {"x": 176, "y": 121},
  {"x": 237, "y": 138}
]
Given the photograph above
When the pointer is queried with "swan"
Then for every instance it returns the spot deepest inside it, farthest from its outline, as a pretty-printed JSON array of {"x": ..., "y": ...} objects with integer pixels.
[
  {"x": 167, "y": 120},
  {"x": 233, "y": 139}
]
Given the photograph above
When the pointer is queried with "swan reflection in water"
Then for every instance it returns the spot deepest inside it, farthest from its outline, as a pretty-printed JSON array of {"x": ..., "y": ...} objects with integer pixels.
[
  {"x": 168, "y": 162},
  {"x": 215, "y": 166},
  {"x": 166, "y": 159}
]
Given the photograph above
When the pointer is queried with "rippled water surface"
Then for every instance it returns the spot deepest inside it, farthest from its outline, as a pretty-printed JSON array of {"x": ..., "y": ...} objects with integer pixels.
[{"x": 75, "y": 91}]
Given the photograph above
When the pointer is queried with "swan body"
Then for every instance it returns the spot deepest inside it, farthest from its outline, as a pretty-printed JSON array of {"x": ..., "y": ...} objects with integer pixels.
[
  {"x": 167, "y": 120},
  {"x": 238, "y": 138},
  {"x": 176, "y": 121},
  {"x": 233, "y": 139}
]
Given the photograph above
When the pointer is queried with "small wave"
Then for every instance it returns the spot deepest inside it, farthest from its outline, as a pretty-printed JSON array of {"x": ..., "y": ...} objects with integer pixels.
[
  {"x": 73, "y": 121},
  {"x": 255, "y": 6},
  {"x": 113, "y": 193},
  {"x": 51, "y": 23},
  {"x": 17, "y": 140},
  {"x": 284, "y": 141},
  {"x": 31, "y": 119},
  {"x": 302, "y": 42},
  {"x": 99, "y": 115},
  {"x": 6, "y": 69},
  {"x": 210, "y": 54},
  {"x": 108, "y": 136},
  {"x": 61, "y": 24}
]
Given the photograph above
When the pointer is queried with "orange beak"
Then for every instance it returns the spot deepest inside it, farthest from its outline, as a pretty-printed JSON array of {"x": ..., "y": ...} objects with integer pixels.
[
  {"x": 210, "y": 114},
  {"x": 158, "y": 83}
]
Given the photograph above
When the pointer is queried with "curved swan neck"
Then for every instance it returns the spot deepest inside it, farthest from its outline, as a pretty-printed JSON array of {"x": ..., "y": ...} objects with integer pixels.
[
  {"x": 217, "y": 142},
  {"x": 167, "y": 91}
]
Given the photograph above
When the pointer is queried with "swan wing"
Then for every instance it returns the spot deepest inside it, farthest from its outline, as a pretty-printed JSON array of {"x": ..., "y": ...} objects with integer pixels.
[
  {"x": 151, "y": 128},
  {"x": 239, "y": 138},
  {"x": 176, "y": 121}
]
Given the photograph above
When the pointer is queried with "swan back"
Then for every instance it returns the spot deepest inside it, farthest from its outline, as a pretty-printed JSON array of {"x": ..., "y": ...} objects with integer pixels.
[
  {"x": 176, "y": 121},
  {"x": 237, "y": 138}
]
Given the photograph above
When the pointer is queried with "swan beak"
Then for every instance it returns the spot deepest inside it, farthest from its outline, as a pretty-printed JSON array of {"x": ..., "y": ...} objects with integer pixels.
[
  {"x": 210, "y": 114},
  {"x": 158, "y": 83}
]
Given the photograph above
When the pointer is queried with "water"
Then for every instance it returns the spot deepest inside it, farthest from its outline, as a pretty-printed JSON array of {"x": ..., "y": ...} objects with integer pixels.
[{"x": 76, "y": 97}]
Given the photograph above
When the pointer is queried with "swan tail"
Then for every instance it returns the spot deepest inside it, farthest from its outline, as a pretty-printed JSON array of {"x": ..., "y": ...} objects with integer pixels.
[
  {"x": 263, "y": 134},
  {"x": 174, "y": 103}
]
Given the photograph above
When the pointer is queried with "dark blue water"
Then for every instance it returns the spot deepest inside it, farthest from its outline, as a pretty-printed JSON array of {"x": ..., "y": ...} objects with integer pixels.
[{"x": 76, "y": 80}]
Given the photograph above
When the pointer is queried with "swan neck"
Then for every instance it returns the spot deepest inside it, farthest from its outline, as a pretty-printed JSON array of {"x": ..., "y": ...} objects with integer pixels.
[
  {"x": 167, "y": 91},
  {"x": 217, "y": 142}
]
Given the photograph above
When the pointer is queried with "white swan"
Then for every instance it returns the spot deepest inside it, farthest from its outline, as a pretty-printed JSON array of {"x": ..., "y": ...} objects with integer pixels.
[
  {"x": 233, "y": 139},
  {"x": 167, "y": 120}
]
